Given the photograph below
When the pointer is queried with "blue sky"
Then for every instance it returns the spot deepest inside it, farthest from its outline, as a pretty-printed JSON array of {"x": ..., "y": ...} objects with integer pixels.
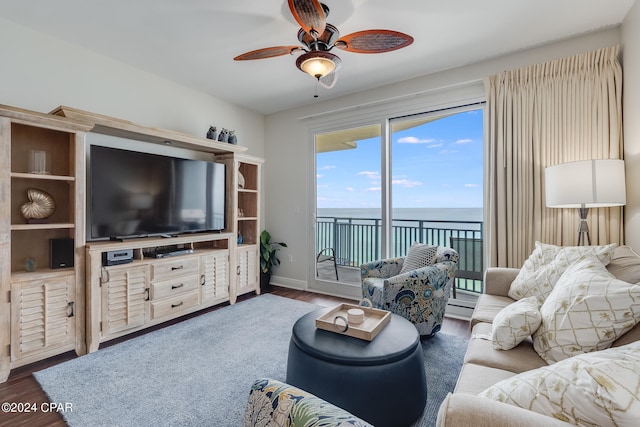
[{"x": 435, "y": 165}]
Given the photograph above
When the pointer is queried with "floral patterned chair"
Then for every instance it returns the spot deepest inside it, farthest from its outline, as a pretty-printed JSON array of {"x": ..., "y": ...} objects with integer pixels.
[
  {"x": 273, "y": 403},
  {"x": 416, "y": 287}
]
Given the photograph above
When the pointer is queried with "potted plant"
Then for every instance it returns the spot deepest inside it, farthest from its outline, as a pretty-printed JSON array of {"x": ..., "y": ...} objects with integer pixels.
[{"x": 268, "y": 258}]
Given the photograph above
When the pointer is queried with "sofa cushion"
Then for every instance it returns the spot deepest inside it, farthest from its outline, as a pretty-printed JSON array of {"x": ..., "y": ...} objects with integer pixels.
[
  {"x": 461, "y": 409},
  {"x": 514, "y": 323},
  {"x": 599, "y": 388},
  {"x": 474, "y": 379},
  {"x": 419, "y": 255},
  {"x": 480, "y": 351},
  {"x": 625, "y": 265},
  {"x": 487, "y": 307},
  {"x": 537, "y": 278},
  {"x": 587, "y": 310}
]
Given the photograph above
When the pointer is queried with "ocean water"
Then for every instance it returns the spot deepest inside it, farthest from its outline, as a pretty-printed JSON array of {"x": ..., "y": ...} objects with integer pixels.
[{"x": 430, "y": 214}]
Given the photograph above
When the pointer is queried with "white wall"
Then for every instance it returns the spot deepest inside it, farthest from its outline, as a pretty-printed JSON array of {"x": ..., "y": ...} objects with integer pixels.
[
  {"x": 631, "y": 121},
  {"x": 38, "y": 72},
  {"x": 289, "y": 149}
]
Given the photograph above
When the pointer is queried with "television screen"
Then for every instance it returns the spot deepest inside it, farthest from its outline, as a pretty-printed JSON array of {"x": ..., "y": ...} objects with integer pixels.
[{"x": 134, "y": 194}]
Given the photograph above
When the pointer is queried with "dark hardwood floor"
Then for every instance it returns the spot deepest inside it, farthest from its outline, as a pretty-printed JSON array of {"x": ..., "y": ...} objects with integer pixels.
[{"x": 22, "y": 388}]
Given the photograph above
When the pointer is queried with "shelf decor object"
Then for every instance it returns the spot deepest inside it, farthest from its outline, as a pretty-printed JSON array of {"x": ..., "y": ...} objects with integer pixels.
[
  {"x": 38, "y": 162},
  {"x": 40, "y": 205}
]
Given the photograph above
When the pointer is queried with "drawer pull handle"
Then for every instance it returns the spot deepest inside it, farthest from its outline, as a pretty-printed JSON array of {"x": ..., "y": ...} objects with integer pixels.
[
  {"x": 70, "y": 312},
  {"x": 177, "y": 305},
  {"x": 203, "y": 280},
  {"x": 147, "y": 294},
  {"x": 180, "y": 267},
  {"x": 177, "y": 286}
]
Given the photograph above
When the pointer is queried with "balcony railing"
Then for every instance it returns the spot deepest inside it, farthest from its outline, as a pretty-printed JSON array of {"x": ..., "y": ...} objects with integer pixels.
[{"x": 358, "y": 240}]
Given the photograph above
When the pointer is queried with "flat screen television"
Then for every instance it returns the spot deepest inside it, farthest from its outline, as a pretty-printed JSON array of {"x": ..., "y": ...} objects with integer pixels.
[{"x": 135, "y": 194}]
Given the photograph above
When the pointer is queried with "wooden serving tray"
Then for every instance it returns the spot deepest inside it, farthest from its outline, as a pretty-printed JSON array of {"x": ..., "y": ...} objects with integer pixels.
[{"x": 374, "y": 321}]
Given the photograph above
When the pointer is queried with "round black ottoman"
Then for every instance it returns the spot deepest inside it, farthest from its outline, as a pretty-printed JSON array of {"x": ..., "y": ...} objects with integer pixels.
[{"x": 381, "y": 381}]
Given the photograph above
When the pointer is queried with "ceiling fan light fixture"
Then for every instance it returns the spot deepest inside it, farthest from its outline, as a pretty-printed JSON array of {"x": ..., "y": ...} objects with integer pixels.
[{"x": 318, "y": 63}]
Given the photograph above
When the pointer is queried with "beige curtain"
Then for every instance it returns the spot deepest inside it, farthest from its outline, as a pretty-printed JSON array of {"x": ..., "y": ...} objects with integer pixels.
[{"x": 560, "y": 111}]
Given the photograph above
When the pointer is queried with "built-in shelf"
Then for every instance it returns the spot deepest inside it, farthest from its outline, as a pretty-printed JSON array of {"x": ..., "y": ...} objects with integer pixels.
[
  {"x": 42, "y": 177},
  {"x": 41, "y": 226}
]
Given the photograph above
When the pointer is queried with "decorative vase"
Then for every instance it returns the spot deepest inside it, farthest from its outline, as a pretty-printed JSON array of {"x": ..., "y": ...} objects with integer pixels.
[
  {"x": 233, "y": 139},
  {"x": 30, "y": 264},
  {"x": 240, "y": 239},
  {"x": 212, "y": 133},
  {"x": 224, "y": 135}
]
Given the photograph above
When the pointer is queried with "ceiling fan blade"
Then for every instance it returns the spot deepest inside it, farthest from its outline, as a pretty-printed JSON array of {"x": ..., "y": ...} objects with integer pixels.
[
  {"x": 267, "y": 52},
  {"x": 374, "y": 41},
  {"x": 310, "y": 15},
  {"x": 329, "y": 80}
]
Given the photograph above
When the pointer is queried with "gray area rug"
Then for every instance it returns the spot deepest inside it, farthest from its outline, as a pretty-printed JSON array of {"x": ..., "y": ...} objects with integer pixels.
[{"x": 198, "y": 372}]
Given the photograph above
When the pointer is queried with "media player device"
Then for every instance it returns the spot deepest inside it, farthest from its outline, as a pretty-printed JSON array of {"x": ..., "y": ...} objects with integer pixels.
[
  {"x": 61, "y": 253},
  {"x": 121, "y": 256}
]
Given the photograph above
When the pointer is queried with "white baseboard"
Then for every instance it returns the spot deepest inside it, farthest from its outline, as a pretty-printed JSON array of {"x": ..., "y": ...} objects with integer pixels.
[{"x": 285, "y": 282}]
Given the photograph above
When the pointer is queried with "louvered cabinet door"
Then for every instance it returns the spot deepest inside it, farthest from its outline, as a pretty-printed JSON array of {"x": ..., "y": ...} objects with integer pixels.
[
  {"x": 215, "y": 278},
  {"x": 43, "y": 318},
  {"x": 247, "y": 269},
  {"x": 124, "y": 298}
]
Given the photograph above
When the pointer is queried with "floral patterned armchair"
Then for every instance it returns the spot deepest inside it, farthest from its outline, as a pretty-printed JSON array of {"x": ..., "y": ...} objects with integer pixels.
[
  {"x": 419, "y": 295},
  {"x": 276, "y": 404}
]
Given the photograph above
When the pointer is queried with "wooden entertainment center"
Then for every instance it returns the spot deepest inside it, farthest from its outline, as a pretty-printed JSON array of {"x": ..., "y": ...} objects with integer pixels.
[{"x": 47, "y": 311}]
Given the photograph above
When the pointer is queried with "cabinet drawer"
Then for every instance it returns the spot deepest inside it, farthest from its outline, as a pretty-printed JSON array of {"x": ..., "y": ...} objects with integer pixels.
[
  {"x": 167, "y": 307},
  {"x": 167, "y": 269},
  {"x": 177, "y": 286}
]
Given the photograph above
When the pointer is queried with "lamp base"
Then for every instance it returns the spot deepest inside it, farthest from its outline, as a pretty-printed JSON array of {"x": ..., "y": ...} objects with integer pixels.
[{"x": 583, "y": 228}]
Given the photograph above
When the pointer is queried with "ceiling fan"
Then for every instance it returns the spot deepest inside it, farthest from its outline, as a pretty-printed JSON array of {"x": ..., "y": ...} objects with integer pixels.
[{"x": 318, "y": 38}]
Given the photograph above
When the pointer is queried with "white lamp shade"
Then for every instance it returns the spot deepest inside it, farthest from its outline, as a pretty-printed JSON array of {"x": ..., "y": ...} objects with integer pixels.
[{"x": 588, "y": 183}]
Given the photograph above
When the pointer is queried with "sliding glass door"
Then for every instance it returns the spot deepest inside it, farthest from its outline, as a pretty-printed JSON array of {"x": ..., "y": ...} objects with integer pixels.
[{"x": 382, "y": 187}]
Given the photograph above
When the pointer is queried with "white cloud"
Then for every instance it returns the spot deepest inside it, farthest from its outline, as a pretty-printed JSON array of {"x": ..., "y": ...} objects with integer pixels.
[
  {"x": 369, "y": 174},
  {"x": 319, "y": 176},
  {"x": 414, "y": 140},
  {"x": 435, "y": 145},
  {"x": 406, "y": 183},
  {"x": 463, "y": 141},
  {"x": 374, "y": 189},
  {"x": 324, "y": 168},
  {"x": 471, "y": 185},
  {"x": 350, "y": 189}
]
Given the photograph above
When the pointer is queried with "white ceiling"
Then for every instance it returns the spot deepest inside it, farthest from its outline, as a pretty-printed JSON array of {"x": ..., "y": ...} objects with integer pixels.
[{"x": 193, "y": 42}]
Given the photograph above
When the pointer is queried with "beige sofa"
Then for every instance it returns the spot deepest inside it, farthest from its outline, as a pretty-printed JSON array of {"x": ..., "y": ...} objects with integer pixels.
[{"x": 484, "y": 366}]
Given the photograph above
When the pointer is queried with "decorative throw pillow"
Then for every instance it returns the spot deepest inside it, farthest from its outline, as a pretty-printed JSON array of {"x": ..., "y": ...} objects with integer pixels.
[
  {"x": 420, "y": 255},
  {"x": 599, "y": 388},
  {"x": 514, "y": 323},
  {"x": 587, "y": 310},
  {"x": 538, "y": 277}
]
